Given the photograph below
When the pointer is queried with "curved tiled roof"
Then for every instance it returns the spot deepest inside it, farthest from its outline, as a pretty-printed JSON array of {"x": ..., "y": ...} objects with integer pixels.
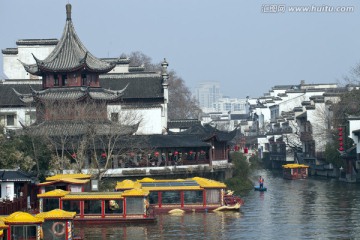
[
  {"x": 22, "y": 218},
  {"x": 93, "y": 195},
  {"x": 13, "y": 175},
  {"x": 54, "y": 193},
  {"x": 141, "y": 85},
  {"x": 75, "y": 128},
  {"x": 70, "y": 175},
  {"x": 12, "y": 51},
  {"x": 56, "y": 214},
  {"x": 127, "y": 184},
  {"x": 72, "y": 93},
  {"x": 9, "y": 98},
  {"x": 196, "y": 183},
  {"x": 50, "y": 41},
  {"x": 65, "y": 180},
  {"x": 69, "y": 55},
  {"x": 136, "y": 192}
]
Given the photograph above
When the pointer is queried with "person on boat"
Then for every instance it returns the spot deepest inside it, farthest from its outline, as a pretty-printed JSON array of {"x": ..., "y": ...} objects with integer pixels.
[{"x": 261, "y": 182}]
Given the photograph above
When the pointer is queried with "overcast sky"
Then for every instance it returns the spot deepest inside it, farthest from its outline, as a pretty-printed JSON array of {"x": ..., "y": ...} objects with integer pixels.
[{"x": 235, "y": 42}]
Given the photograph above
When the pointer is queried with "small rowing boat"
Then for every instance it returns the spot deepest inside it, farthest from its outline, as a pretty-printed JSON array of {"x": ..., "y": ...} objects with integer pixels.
[{"x": 257, "y": 188}]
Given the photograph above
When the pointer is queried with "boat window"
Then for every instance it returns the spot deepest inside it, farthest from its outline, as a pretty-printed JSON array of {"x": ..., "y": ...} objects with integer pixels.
[
  {"x": 134, "y": 205},
  {"x": 193, "y": 197},
  {"x": 24, "y": 232},
  {"x": 92, "y": 207},
  {"x": 114, "y": 206},
  {"x": 171, "y": 197},
  {"x": 50, "y": 204},
  {"x": 154, "y": 198},
  {"x": 212, "y": 196},
  {"x": 72, "y": 206}
]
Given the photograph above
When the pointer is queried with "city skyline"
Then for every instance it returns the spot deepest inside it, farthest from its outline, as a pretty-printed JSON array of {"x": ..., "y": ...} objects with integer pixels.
[{"x": 247, "y": 47}]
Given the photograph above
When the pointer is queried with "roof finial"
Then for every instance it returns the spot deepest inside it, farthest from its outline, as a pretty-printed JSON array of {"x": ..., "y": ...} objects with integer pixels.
[
  {"x": 68, "y": 11},
  {"x": 164, "y": 74}
]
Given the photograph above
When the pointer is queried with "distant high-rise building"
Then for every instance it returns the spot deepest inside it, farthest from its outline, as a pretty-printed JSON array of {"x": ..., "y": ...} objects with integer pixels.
[{"x": 207, "y": 94}]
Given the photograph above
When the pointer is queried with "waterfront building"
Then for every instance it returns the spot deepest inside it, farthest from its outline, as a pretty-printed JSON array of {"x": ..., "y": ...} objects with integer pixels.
[
  {"x": 64, "y": 83},
  {"x": 292, "y": 119}
]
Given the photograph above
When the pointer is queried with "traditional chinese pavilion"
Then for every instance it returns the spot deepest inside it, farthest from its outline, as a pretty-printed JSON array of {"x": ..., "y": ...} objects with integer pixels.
[{"x": 70, "y": 81}]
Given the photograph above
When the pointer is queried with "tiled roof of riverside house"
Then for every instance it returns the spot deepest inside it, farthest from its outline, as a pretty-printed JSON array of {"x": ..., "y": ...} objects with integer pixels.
[
  {"x": 75, "y": 128},
  {"x": 70, "y": 93},
  {"x": 183, "y": 123},
  {"x": 9, "y": 98},
  {"x": 27, "y": 42},
  {"x": 179, "y": 140},
  {"x": 205, "y": 132},
  {"x": 69, "y": 55},
  {"x": 140, "y": 85},
  {"x": 13, "y": 51},
  {"x": 13, "y": 175}
]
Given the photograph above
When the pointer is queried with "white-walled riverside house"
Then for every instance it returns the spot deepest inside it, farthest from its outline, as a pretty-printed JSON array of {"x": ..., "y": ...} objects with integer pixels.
[{"x": 296, "y": 115}]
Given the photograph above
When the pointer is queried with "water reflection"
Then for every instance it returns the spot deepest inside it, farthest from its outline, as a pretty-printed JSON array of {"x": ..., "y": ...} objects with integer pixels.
[{"x": 299, "y": 209}]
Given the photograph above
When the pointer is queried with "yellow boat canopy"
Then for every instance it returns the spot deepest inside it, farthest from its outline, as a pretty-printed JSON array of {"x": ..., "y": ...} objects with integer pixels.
[
  {"x": 53, "y": 193},
  {"x": 136, "y": 192},
  {"x": 65, "y": 180},
  {"x": 57, "y": 214},
  {"x": 22, "y": 218},
  {"x": 150, "y": 184},
  {"x": 127, "y": 184},
  {"x": 71, "y": 175},
  {"x": 3, "y": 225},
  {"x": 208, "y": 183},
  {"x": 93, "y": 196},
  {"x": 295, "y": 165}
]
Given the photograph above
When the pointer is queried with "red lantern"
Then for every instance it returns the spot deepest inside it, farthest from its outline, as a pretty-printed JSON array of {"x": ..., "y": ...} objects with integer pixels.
[
  {"x": 176, "y": 153},
  {"x": 341, "y": 144},
  {"x": 156, "y": 154},
  {"x": 103, "y": 155},
  {"x": 246, "y": 150},
  {"x": 191, "y": 152}
]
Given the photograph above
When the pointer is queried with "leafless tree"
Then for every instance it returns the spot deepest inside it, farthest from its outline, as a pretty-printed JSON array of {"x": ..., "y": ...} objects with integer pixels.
[{"x": 182, "y": 104}]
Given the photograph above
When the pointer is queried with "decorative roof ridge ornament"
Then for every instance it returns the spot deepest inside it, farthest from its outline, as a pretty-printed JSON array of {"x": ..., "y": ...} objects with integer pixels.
[
  {"x": 164, "y": 73},
  {"x": 38, "y": 61},
  {"x": 68, "y": 12},
  {"x": 117, "y": 92},
  {"x": 83, "y": 60}
]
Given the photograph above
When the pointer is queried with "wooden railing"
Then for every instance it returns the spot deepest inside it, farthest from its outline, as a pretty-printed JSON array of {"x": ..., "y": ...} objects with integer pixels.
[{"x": 8, "y": 207}]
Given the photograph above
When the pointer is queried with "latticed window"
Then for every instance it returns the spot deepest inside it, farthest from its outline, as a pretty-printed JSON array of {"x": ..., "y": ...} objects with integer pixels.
[
  {"x": 212, "y": 196},
  {"x": 114, "y": 117},
  {"x": 134, "y": 205}
]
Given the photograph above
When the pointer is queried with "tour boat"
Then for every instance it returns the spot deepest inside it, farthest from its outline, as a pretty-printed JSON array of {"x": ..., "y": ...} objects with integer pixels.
[
  {"x": 189, "y": 195},
  {"x": 100, "y": 207},
  {"x": 295, "y": 171}
]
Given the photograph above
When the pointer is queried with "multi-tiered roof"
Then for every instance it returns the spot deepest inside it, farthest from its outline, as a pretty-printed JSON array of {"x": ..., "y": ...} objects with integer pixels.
[{"x": 69, "y": 55}]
